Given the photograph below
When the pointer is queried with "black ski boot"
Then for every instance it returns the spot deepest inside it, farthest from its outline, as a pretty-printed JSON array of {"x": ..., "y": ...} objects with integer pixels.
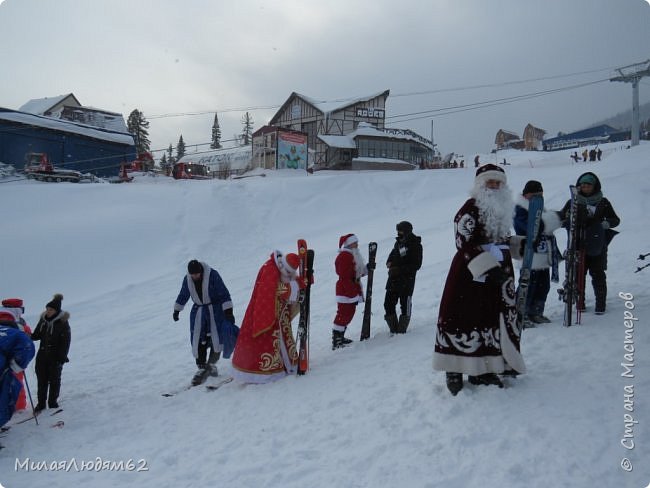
[
  {"x": 338, "y": 340},
  {"x": 454, "y": 383},
  {"x": 485, "y": 379},
  {"x": 403, "y": 324},
  {"x": 201, "y": 375},
  {"x": 212, "y": 363},
  {"x": 393, "y": 325}
]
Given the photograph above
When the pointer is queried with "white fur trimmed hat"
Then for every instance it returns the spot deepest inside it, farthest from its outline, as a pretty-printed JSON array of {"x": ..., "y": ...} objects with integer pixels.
[
  {"x": 288, "y": 263},
  {"x": 490, "y": 172},
  {"x": 347, "y": 240}
]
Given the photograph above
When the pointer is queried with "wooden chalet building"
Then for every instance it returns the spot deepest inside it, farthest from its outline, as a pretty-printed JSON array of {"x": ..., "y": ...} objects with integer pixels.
[
  {"x": 533, "y": 137},
  {"x": 505, "y": 139},
  {"x": 351, "y": 134}
]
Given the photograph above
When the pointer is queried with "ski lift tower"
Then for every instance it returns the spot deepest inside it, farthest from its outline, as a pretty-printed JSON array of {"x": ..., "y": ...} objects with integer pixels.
[{"x": 633, "y": 74}]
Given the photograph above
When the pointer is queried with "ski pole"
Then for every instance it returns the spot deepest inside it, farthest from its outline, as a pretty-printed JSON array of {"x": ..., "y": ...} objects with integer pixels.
[
  {"x": 643, "y": 256},
  {"x": 642, "y": 267},
  {"x": 29, "y": 393}
]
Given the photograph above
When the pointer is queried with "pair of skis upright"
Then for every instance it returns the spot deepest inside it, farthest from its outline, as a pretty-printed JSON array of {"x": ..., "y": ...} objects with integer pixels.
[
  {"x": 573, "y": 289},
  {"x": 535, "y": 208}
]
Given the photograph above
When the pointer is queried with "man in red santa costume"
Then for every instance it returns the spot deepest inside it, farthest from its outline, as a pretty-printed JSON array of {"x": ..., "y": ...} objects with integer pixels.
[
  {"x": 15, "y": 306},
  {"x": 350, "y": 267},
  {"x": 266, "y": 349}
]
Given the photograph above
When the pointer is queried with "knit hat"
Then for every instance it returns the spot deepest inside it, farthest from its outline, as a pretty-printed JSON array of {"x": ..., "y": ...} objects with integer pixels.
[
  {"x": 404, "y": 227},
  {"x": 587, "y": 178},
  {"x": 490, "y": 172},
  {"x": 194, "y": 267},
  {"x": 55, "y": 303},
  {"x": 347, "y": 240},
  {"x": 532, "y": 186}
]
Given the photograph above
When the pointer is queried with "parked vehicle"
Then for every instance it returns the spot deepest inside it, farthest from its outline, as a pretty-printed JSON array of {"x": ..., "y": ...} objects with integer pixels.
[
  {"x": 38, "y": 167},
  {"x": 190, "y": 171}
]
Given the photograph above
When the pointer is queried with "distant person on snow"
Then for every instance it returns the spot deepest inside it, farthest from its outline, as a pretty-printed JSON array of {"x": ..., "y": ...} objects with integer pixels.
[
  {"x": 212, "y": 321},
  {"x": 476, "y": 162},
  {"x": 404, "y": 261},
  {"x": 546, "y": 254},
  {"x": 596, "y": 219},
  {"x": 53, "y": 330},
  {"x": 477, "y": 332},
  {"x": 16, "y": 351},
  {"x": 350, "y": 268},
  {"x": 266, "y": 350},
  {"x": 15, "y": 306}
]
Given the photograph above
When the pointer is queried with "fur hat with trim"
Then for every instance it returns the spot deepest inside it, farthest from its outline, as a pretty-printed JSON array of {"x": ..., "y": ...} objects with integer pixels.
[
  {"x": 287, "y": 263},
  {"x": 55, "y": 303},
  {"x": 7, "y": 316},
  {"x": 12, "y": 302},
  {"x": 347, "y": 240},
  {"x": 490, "y": 172}
]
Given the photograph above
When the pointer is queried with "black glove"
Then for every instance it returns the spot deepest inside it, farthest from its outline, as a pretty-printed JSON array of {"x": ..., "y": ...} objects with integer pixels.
[
  {"x": 230, "y": 316},
  {"x": 175, "y": 315},
  {"x": 371, "y": 266},
  {"x": 497, "y": 276},
  {"x": 522, "y": 247}
]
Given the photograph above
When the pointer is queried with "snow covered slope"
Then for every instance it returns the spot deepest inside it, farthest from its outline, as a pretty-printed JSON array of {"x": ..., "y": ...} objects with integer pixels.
[{"x": 371, "y": 415}]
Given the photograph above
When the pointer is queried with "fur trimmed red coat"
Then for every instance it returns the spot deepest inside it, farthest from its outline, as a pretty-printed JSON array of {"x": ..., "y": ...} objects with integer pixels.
[
  {"x": 476, "y": 330},
  {"x": 266, "y": 349},
  {"x": 348, "y": 286}
]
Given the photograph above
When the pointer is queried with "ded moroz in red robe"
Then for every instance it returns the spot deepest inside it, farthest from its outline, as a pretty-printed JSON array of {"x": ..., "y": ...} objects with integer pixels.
[{"x": 266, "y": 349}]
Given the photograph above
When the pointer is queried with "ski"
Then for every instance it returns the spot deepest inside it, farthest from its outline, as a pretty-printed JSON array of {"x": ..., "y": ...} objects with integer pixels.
[
  {"x": 535, "y": 207},
  {"x": 307, "y": 274},
  {"x": 218, "y": 384},
  {"x": 569, "y": 292},
  {"x": 58, "y": 424},
  {"x": 197, "y": 380},
  {"x": 367, "y": 308},
  {"x": 56, "y": 412}
]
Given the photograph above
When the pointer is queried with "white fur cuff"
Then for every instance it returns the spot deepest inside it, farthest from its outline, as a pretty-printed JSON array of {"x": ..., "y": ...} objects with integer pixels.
[{"x": 481, "y": 264}]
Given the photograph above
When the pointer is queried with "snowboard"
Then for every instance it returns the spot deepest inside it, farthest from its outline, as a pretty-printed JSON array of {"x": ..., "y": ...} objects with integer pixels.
[{"x": 367, "y": 308}]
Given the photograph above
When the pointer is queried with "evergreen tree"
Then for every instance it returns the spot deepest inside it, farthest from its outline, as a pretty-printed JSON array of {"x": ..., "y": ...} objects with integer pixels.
[
  {"x": 138, "y": 125},
  {"x": 180, "y": 148},
  {"x": 170, "y": 156},
  {"x": 163, "y": 161},
  {"x": 247, "y": 132},
  {"x": 216, "y": 134}
]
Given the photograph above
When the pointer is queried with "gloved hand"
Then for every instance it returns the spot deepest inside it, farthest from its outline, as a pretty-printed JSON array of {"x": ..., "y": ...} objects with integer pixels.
[
  {"x": 371, "y": 266},
  {"x": 230, "y": 316},
  {"x": 175, "y": 315},
  {"x": 497, "y": 276}
]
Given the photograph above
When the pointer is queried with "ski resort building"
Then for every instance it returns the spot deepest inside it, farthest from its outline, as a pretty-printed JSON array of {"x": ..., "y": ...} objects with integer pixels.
[
  {"x": 73, "y": 137},
  {"x": 222, "y": 163},
  {"x": 351, "y": 134}
]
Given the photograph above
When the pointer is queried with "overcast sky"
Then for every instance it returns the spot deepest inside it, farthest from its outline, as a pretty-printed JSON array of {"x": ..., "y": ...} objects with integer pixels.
[{"x": 207, "y": 56}]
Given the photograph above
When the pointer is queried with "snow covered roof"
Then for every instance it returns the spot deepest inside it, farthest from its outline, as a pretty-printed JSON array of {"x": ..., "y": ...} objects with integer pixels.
[
  {"x": 364, "y": 129},
  {"x": 343, "y": 142},
  {"x": 38, "y": 106},
  {"x": 66, "y": 126},
  {"x": 237, "y": 157},
  {"x": 335, "y": 105}
]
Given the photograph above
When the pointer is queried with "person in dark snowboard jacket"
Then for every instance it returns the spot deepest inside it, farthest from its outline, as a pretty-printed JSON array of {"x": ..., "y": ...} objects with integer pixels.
[
  {"x": 403, "y": 263},
  {"x": 596, "y": 219},
  {"x": 53, "y": 330}
]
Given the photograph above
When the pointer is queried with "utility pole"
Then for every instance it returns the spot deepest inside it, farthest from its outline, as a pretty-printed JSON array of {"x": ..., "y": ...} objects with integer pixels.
[{"x": 633, "y": 74}]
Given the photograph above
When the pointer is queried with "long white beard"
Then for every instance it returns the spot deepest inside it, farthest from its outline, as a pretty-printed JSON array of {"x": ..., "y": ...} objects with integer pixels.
[
  {"x": 495, "y": 208},
  {"x": 359, "y": 265}
]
